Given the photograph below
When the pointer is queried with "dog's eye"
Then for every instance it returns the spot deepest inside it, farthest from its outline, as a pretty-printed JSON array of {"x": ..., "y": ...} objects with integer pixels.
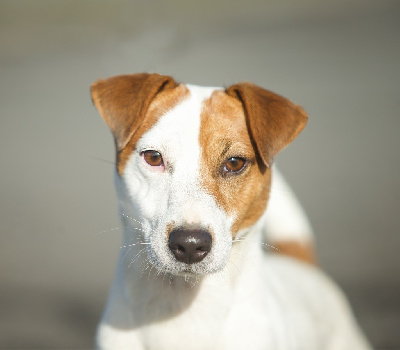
[
  {"x": 235, "y": 164},
  {"x": 153, "y": 158}
]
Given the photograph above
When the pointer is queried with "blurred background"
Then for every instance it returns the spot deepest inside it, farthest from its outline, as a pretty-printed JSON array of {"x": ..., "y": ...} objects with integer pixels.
[{"x": 339, "y": 59}]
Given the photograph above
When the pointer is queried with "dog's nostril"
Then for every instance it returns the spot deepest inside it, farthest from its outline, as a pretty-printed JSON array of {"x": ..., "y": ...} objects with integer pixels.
[{"x": 189, "y": 246}]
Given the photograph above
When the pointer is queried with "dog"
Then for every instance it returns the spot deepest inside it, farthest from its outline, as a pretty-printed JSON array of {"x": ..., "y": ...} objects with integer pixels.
[{"x": 204, "y": 264}]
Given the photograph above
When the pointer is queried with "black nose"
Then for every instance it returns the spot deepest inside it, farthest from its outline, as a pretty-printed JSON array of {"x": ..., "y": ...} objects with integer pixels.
[{"x": 188, "y": 245}]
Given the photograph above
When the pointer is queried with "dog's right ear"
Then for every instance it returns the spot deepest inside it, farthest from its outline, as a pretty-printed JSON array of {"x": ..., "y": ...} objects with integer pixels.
[{"x": 123, "y": 101}]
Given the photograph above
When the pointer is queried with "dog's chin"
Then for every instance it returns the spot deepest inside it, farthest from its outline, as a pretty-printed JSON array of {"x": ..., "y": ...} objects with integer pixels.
[{"x": 179, "y": 269}]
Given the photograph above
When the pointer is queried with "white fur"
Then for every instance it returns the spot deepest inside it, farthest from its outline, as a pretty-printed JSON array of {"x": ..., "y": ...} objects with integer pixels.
[
  {"x": 238, "y": 297},
  {"x": 285, "y": 218}
]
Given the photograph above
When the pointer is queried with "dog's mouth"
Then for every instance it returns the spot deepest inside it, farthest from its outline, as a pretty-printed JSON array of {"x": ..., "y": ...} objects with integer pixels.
[{"x": 170, "y": 265}]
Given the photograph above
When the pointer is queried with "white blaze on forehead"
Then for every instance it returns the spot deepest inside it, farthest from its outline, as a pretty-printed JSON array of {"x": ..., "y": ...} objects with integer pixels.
[
  {"x": 176, "y": 137},
  {"x": 176, "y": 134}
]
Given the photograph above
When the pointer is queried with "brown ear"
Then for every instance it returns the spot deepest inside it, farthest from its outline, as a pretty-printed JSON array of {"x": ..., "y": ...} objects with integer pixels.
[
  {"x": 273, "y": 121},
  {"x": 123, "y": 101}
]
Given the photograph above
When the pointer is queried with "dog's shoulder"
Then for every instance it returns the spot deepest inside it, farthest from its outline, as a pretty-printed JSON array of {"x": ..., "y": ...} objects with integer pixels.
[{"x": 307, "y": 294}]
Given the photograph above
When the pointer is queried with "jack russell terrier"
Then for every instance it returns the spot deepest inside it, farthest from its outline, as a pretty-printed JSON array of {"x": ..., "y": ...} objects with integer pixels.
[{"x": 193, "y": 179}]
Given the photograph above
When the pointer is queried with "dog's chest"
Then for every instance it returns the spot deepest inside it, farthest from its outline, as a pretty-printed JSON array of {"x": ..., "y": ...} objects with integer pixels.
[
  {"x": 212, "y": 317},
  {"x": 257, "y": 314},
  {"x": 221, "y": 323}
]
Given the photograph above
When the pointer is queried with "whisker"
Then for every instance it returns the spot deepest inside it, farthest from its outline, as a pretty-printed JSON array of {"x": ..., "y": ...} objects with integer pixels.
[
  {"x": 127, "y": 252},
  {"x": 271, "y": 246},
  {"x": 133, "y": 244},
  {"x": 144, "y": 266},
  {"x": 110, "y": 230},
  {"x": 149, "y": 270},
  {"x": 262, "y": 243},
  {"x": 162, "y": 281},
  {"x": 159, "y": 272},
  {"x": 136, "y": 228},
  {"x": 131, "y": 218},
  {"x": 101, "y": 159},
  {"x": 143, "y": 263},
  {"x": 136, "y": 257},
  {"x": 278, "y": 190},
  {"x": 119, "y": 228},
  {"x": 234, "y": 265}
]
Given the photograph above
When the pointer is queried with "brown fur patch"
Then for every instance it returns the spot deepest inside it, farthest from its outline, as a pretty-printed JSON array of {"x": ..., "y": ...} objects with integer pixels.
[
  {"x": 160, "y": 105},
  {"x": 123, "y": 101},
  {"x": 224, "y": 134},
  {"x": 131, "y": 104},
  {"x": 273, "y": 120},
  {"x": 301, "y": 251}
]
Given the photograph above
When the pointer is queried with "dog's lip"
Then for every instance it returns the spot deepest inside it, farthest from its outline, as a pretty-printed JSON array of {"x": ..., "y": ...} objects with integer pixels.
[
  {"x": 182, "y": 271},
  {"x": 187, "y": 272}
]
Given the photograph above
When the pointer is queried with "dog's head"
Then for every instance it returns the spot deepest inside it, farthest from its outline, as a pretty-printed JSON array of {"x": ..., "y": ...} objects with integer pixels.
[{"x": 195, "y": 161}]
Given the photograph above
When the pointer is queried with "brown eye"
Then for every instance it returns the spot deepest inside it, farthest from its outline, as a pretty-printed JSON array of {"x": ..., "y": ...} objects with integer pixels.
[
  {"x": 153, "y": 158},
  {"x": 235, "y": 164}
]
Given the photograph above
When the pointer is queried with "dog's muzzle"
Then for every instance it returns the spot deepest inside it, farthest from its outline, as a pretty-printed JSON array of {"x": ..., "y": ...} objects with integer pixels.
[{"x": 189, "y": 245}]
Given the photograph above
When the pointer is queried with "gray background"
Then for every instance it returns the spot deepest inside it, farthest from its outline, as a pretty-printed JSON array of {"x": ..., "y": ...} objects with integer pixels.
[{"x": 339, "y": 59}]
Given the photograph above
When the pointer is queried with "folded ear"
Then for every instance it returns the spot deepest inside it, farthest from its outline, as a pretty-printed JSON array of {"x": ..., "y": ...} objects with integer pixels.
[
  {"x": 123, "y": 101},
  {"x": 273, "y": 121}
]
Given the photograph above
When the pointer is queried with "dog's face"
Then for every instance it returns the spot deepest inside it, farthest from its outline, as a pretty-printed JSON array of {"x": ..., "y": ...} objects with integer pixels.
[{"x": 195, "y": 161}]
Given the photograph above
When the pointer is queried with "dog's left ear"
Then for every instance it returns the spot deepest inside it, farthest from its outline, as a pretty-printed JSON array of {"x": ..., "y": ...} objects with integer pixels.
[{"x": 273, "y": 121}]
